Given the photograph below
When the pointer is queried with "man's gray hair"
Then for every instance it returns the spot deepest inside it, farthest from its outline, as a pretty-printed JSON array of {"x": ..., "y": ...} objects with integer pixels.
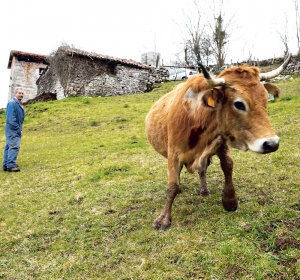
[{"x": 18, "y": 88}]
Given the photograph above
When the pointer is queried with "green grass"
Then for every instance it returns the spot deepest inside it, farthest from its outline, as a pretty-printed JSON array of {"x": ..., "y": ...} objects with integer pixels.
[{"x": 90, "y": 187}]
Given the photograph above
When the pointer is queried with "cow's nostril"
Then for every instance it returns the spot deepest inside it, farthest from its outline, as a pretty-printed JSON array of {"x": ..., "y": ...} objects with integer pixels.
[{"x": 270, "y": 146}]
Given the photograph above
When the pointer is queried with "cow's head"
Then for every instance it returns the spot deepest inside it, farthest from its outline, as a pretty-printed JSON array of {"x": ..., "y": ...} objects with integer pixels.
[{"x": 240, "y": 99}]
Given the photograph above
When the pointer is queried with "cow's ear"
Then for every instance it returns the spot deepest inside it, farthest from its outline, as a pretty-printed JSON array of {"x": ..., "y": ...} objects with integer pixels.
[{"x": 212, "y": 97}]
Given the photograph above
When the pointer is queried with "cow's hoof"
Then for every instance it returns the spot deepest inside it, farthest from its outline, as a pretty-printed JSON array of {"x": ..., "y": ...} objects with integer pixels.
[
  {"x": 161, "y": 223},
  {"x": 204, "y": 192},
  {"x": 230, "y": 204}
]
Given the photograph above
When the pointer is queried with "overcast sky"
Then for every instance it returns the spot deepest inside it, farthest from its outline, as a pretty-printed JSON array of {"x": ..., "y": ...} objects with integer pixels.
[{"x": 128, "y": 28}]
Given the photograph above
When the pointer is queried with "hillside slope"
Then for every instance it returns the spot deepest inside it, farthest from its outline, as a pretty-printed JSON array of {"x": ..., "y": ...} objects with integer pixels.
[{"x": 90, "y": 187}]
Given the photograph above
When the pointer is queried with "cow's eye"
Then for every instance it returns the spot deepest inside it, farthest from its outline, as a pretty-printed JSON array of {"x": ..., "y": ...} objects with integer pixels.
[{"x": 240, "y": 105}]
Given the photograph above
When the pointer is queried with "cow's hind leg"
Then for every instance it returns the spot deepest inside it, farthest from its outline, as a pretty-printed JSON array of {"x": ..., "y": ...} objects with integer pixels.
[
  {"x": 164, "y": 219},
  {"x": 204, "y": 191},
  {"x": 229, "y": 199}
]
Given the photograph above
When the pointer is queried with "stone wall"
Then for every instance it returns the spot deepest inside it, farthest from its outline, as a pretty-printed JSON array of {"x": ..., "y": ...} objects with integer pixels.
[
  {"x": 82, "y": 75},
  {"x": 50, "y": 84},
  {"x": 126, "y": 80},
  {"x": 292, "y": 68},
  {"x": 156, "y": 77},
  {"x": 102, "y": 82}
]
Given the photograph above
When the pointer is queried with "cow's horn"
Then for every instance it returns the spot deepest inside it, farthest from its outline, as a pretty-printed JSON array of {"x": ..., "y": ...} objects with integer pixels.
[
  {"x": 213, "y": 82},
  {"x": 276, "y": 72}
]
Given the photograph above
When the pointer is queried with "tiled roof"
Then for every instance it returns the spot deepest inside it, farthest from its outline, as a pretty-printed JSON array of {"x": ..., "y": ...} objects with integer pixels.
[
  {"x": 72, "y": 51},
  {"x": 91, "y": 55},
  {"x": 26, "y": 56}
]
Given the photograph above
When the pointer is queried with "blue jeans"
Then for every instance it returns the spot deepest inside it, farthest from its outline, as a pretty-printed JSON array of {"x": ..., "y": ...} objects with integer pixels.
[{"x": 12, "y": 147}]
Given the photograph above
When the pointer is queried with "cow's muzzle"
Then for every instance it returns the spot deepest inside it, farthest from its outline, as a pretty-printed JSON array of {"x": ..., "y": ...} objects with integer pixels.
[
  {"x": 265, "y": 145},
  {"x": 270, "y": 146}
]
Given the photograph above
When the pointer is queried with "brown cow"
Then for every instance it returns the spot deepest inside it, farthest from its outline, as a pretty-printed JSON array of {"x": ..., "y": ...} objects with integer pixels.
[
  {"x": 204, "y": 116},
  {"x": 273, "y": 89}
]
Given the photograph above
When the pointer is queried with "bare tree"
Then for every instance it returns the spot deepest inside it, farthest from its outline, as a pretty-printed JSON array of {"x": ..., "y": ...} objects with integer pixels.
[
  {"x": 195, "y": 31},
  {"x": 297, "y": 25},
  {"x": 220, "y": 37},
  {"x": 284, "y": 35},
  {"x": 206, "y": 49},
  {"x": 206, "y": 40},
  {"x": 221, "y": 27}
]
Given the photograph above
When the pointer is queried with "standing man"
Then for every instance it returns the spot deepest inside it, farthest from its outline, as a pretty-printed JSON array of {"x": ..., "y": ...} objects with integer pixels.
[{"x": 13, "y": 131}]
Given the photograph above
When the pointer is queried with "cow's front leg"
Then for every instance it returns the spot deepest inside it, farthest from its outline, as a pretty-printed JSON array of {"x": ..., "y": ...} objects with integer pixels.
[
  {"x": 164, "y": 219},
  {"x": 229, "y": 199}
]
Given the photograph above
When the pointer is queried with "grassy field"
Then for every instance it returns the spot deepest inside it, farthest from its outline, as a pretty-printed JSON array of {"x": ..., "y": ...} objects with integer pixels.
[{"x": 90, "y": 187}]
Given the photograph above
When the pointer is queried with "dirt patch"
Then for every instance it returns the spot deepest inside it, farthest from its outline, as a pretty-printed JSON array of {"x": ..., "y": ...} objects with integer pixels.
[
  {"x": 285, "y": 239},
  {"x": 289, "y": 224},
  {"x": 42, "y": 98},
  {"x": 234, "y": 271},
  {"x": 296, "y": 206},
  {"x": 283, "y": 242}
]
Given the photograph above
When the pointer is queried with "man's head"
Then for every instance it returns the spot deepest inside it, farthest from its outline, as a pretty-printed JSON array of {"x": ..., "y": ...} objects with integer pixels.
[{"x": 19, "y": 93}]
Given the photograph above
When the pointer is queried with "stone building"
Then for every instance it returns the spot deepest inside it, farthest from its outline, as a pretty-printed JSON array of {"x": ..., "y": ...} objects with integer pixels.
[
  {"x": 25, "y": 69},
  {"x": 151, "y": 59},
  {"x": 74, "y": 72}
]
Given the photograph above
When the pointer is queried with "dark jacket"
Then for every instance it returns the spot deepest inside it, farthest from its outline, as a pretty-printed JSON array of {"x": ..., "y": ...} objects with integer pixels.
[{"x": 14, "y": 115}]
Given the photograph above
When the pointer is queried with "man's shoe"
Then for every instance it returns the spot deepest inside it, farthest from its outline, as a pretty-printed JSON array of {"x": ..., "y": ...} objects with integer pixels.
[
  {"x": 4, "y": 167},
  {"x": 13, "y": 169}
]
